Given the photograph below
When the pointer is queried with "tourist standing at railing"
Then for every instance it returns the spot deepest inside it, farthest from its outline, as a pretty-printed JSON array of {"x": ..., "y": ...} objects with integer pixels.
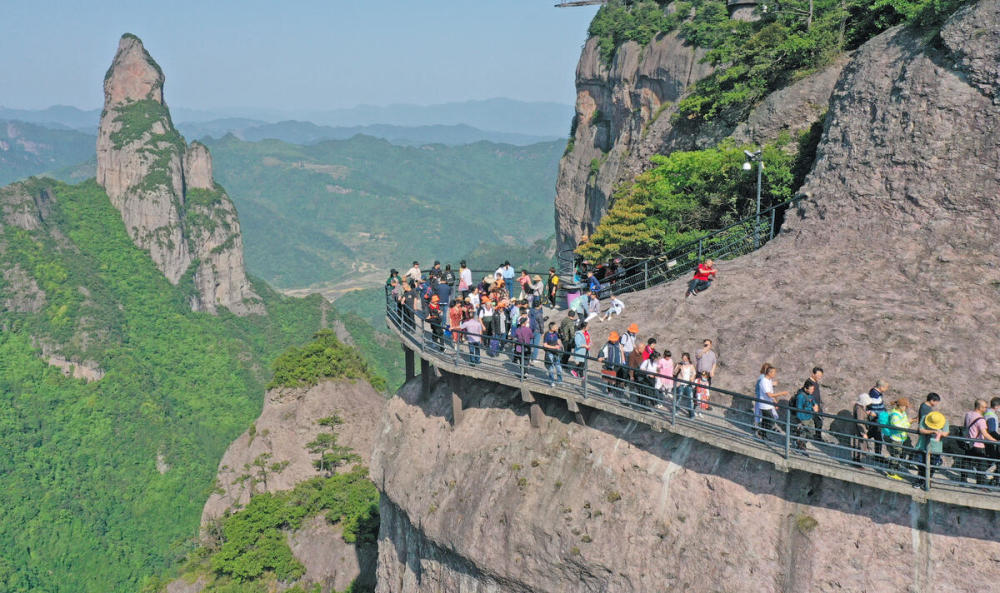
[
  {"x": 434, "y": 317},
  {"x": 896, "y": 437},
  {"x": 648, "y": 370},
  {"x": 413, "y": 274},
  {"x": 537, "y": 318},
  {"x": 805, "y": 410},
  {"x": 703, "y": 277},
  {"x": 665, "y": 368},
  {"x": 567, "y": 333},
  {"x": 706, "y": 360},
  {"x": 456, "y": 314},
  {"x": 474, "y": 298},
  {"x": 631, "y": 371},
  {"x": 612, "y": 358},
  {"x": 408, "y": 301},
  {"x": 616, "y": 307},
  {"x": 473, "y": 336},
  {"x": 524, "y": 282},
  {"x": 448, "y": 277},
  {"x": 393, "y": 275},
  {"x": 685, "y": 373},
  {"x": 975, "y": 428},
  {"x": 933, "y": 429},
  {"x": 928, "y": 406},
  {"x": 396, "y": 295},
  {"x": 435, "y": 272},
  {"x": 765, "y": 412},
  {"x": 816, "y": 376},
  {"x": 553, "y": 347},
  {"x": 552, "y": 286},
  {"x": 877, "y": 412},
  {"x": 464, "y": 278},
  {"x": 507, "y": 273},
  {"x": 861, "y": 443},
  {"x": 581, "y": 349},
  {"x": 523, "y": 337}
]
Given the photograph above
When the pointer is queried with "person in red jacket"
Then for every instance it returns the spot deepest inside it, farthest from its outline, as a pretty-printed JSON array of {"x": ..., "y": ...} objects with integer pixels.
[{"x": 703, "y": 277}]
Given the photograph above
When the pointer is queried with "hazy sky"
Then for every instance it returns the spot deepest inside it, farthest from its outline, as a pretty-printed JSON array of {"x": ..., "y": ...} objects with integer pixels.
[{"x": 295, "y": 54}]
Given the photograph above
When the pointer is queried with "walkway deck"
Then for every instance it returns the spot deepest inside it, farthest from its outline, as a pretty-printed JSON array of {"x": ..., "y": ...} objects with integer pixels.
[{"x": 728, "y": 425}]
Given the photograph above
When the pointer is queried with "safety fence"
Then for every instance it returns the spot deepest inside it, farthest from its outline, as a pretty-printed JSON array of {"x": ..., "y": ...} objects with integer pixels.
[
  {"x": 739, "y": 238},
  {"x": 724, "y": 417}
]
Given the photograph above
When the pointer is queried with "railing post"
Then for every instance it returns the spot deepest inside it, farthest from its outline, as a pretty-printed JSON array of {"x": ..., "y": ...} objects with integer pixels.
[
  {"x": 645, "y": 274},
  {"x": 699, "y": 249},
  {"x": 584, "y": 375},
  {"x": 420, "y": 332},
  {"x": 673, "y": 406},
  {"x": 788, "y": 432},
  {"x": 772, "y": 224},
  {"x": 927, "y": 467}
]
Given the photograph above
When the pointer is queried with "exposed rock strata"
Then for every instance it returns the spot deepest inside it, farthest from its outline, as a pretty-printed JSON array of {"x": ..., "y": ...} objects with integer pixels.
[
  {"x": 888, "y": 267},
  {"x": 149, "y": 174},
  {"x": 494, "y": 505},
  {"x": 635, "y": 100}
]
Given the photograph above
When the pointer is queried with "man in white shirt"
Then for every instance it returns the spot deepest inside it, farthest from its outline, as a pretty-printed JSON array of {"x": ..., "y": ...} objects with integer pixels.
[{"x": 414, "y": 273}]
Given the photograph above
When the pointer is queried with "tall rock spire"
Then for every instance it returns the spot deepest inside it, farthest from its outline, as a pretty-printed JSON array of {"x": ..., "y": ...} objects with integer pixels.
[{"x": 164, "y": 189}]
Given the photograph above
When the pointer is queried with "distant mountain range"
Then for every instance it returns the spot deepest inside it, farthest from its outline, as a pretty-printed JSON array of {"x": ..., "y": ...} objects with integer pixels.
[
  {"x": 508, "y": 116},
  {"x": 28, "y": 149},
  {"x": 303, "y": 132}
]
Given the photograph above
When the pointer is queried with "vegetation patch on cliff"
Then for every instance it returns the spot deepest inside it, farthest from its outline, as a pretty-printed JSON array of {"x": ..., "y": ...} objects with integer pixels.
[
  {"x": 323, "y": 358},
  {"x": 687, "y": 192}
]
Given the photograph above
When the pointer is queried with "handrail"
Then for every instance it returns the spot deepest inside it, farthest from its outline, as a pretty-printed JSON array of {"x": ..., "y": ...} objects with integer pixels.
[
  {"x": 730, "y": 419},
  {"x": 651, "y": 271}
]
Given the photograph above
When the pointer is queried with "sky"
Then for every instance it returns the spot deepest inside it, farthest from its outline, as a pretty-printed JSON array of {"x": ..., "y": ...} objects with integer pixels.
[{"x": 295, "y": 54}]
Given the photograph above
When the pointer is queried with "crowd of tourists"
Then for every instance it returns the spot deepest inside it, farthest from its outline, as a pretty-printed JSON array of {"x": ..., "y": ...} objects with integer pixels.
[{"x": 503, "y": 314}]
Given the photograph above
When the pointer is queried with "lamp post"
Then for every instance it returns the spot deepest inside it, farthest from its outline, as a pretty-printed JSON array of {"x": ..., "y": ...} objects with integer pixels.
[{"x": 751, "y": 158}]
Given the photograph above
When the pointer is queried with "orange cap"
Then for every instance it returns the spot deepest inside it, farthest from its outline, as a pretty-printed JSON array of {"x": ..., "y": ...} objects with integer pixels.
[
  {"x": 613, "y": 336},
  {"x": 634, "y": 328}
]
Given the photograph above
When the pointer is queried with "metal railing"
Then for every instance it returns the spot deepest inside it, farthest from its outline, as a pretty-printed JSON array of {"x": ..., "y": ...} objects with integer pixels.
[
  {"x": 734, "y": 240},
  {"x": 724, "y": 416}
]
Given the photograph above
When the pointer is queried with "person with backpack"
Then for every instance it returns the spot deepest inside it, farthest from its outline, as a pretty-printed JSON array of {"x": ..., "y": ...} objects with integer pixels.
[
  {"x": 877, "y": 412},
  {"x": 443, "y": 291},
  {"x": 861, "y": 443},
  {"x": 978, "y": 435},
  {"x": 612, "y": 359},
  {"x": 553, "y": 347},
  {"x": 448, "y": 277}
]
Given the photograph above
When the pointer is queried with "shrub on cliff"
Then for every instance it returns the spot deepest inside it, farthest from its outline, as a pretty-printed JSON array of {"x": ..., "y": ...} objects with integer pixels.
[
  {"x": 684, "y": 193},
  {"x": 323, "y": 358}
]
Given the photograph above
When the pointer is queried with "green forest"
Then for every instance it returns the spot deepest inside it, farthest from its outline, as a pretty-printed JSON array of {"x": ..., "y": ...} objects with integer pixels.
[
  {"x": 102, "y": 483},
  {"x": 326, "y": 212}
]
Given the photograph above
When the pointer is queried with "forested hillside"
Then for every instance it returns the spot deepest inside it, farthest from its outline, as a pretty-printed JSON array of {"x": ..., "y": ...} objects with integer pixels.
[
  {"x": 102, "y": 482},
  {"x": 351, "y": 209}
]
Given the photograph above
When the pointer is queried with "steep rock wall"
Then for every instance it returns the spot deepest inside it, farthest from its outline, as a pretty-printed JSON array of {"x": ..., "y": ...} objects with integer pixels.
[
  {"x": 624, "y": 116},
  {"x": 888, "y": 268},
  {"x": 149, "y": 174},
  {"x": 494, "y": 505}
]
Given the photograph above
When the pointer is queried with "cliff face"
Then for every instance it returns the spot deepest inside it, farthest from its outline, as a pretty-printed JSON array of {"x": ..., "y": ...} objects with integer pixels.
[
  {"x": 494, "y": 505},
  {"x": 164, "y": 189},
  {"x": 888, "y": 267},
  {"x": 624, "y": 116},
  {"x": 287, "y": 423}
]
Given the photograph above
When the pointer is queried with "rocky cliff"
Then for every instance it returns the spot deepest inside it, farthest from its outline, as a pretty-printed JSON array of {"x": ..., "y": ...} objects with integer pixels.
[
  {"x": 494, "y": 505},
  {"x": 288, "y": 422},
  {"x": 888, "y": 267},
  {"x": 164, "y": 189},
  {"x": 624, "y": 115}
]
